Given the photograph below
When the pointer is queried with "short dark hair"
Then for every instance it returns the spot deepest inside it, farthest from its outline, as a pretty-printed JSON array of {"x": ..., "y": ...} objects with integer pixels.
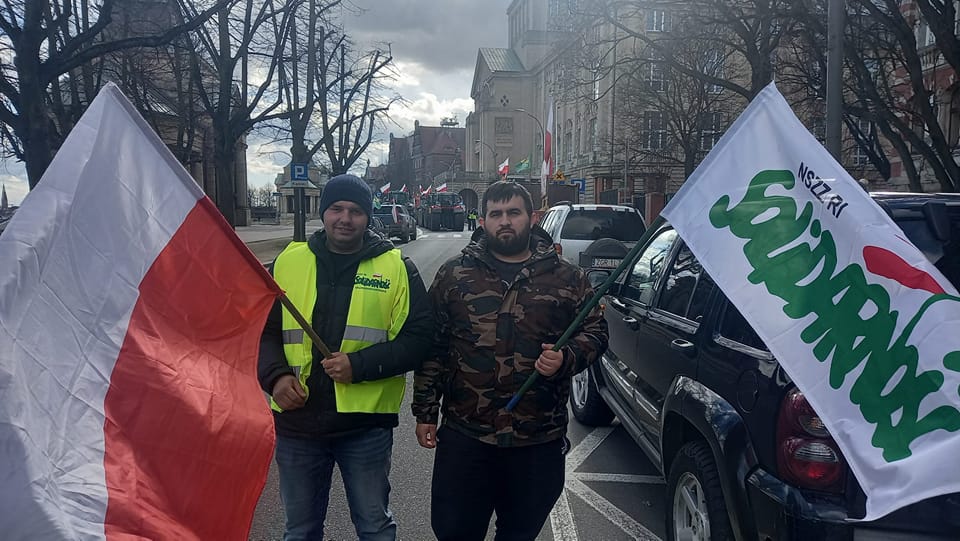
[{"x": 505, "y": 190}]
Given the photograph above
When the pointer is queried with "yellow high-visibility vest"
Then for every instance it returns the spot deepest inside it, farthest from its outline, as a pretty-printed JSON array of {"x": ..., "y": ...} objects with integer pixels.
[{"x": 379, "y": 306}]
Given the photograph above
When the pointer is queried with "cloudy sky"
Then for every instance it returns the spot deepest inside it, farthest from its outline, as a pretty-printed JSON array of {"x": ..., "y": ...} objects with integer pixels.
[{"x": 434, "y": 45}]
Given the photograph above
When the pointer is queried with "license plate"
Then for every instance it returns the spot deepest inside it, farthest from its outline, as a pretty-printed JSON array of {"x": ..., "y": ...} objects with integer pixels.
[{"x": 605, "y": 263}]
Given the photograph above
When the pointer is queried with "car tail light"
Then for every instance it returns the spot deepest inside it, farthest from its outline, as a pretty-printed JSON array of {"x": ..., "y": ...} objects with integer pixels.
[
  {"x": 558, "y": 248},
  {"x": 807, "y": 456}
]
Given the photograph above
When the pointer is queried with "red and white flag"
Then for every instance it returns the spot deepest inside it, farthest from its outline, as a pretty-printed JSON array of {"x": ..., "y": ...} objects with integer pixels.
[
  {"x": 130, "y": 318},
  {"x": 442, "y": 187},
  {"x": 385, "y": 188},
  {"x": 403, "y": 189},
  {"x": 504, "y": 167},
  {"x": 546, "y": 170}
]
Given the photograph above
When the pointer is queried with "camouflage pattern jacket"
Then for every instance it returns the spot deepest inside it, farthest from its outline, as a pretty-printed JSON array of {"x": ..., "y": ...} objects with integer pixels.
[{"x": 488, "y": 339}]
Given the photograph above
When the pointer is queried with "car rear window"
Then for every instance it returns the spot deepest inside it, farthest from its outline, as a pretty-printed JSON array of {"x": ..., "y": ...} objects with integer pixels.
[
  {"x": 946, "y": 256},
  {"x": 593, "y": 224}
]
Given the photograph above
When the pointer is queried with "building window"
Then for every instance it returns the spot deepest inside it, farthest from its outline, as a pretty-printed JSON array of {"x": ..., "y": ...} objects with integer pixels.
[
  {"x": 593, "y": 135},
  {"x": 653, "y": 76},
  {"x": 818, "y": 127},
  {"x": 713, "y": 67},
  {"x": 711, "y": 128},
  {"x": 578, "y": 141},
  {"x": 860, "y": 158},
  {"x": 653, "y": 132},
  {"x": 658, "y": 20}
]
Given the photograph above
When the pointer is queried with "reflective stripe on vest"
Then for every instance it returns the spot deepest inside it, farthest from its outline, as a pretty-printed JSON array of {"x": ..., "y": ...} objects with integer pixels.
[{"x": 379, "y": 306}]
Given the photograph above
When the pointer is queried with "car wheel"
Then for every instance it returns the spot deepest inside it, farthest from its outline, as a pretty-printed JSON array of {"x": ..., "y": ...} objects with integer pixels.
[
  {"x": 413, "y": 233},
  {"x": 695, "y": 507},
  {"x": 404, "y": 237},
  {"x": 587, "y": 404}
]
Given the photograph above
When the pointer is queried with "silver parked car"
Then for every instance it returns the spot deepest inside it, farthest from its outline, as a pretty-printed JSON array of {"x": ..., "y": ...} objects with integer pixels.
[{"x": 574, "y": 227}]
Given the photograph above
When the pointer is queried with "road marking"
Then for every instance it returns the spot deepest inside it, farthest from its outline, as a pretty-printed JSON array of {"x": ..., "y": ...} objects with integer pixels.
[
  {"x": 621, "y": 478},
  {"x": 561, "y": 517},
  {"x": 443, "y": 235},
  {"x": 561, "y": 520},
  {"x": 586, "y": 447},
  {"x": 611, "y": 512}
]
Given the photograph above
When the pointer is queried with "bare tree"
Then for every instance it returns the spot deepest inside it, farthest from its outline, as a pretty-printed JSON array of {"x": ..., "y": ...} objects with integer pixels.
[
  {"x": 335, "y": 97},
  {"x": 671, "y": 117},
  {"x": 42, "y": 41},
  {"x": 885, "y": 85},
  {"x": 234, "y": 73},
  {"x": 262, "y": 196},
  {"x": 748, "y": 32}
]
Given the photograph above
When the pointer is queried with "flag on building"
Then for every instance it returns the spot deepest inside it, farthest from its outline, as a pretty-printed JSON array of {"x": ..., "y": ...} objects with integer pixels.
[
  {"x": 523, "y": 166},
  {"x": 546, "y": 170},
  {"x": 504, "y": 168},
  {"x": 129, "y": 331},
  {"x": 442, "y": 187},
  {"x": 385, "y": 188},
  {"x": 857, "y": 316}
]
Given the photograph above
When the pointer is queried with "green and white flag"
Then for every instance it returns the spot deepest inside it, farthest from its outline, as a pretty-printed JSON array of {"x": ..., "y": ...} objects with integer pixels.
[{"x": 863, "y": 323}]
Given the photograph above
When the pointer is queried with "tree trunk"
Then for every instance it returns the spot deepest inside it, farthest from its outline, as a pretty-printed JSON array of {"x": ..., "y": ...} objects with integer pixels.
[{"x": 225, "y": 155}]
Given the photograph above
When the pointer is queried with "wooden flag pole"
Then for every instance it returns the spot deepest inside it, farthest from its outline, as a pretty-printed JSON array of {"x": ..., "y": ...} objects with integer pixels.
[{"x": 307, "y": 328}]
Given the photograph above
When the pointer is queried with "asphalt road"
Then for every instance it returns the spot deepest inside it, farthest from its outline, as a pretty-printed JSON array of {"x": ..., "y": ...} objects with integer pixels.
[{"x": 612, "y": 491}]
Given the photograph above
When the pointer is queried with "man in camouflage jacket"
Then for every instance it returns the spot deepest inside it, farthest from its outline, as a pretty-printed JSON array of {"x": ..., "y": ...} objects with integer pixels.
[{"x": 500, "y": 306}]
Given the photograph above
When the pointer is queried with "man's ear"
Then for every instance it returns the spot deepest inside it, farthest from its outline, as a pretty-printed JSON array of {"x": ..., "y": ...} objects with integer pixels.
[{"x": 480, "y": 221}]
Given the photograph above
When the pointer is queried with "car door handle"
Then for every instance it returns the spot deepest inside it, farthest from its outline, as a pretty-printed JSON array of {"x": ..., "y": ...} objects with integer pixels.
[
  {"x": 632, "y": 322},
  {"x": 617, "y": 303},
  {"x": 683, "y": 346}
]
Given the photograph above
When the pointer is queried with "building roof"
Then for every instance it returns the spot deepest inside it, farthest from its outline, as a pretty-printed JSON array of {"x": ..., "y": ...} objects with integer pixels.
[
  {"x": 498, "y": 59},
  {"x": 441, "y": 139}
]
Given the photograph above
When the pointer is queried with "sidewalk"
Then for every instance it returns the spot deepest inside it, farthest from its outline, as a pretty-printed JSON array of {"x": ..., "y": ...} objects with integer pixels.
[
  {"x": 259, "y": 232},
  {"x": 267, "y": 240}
]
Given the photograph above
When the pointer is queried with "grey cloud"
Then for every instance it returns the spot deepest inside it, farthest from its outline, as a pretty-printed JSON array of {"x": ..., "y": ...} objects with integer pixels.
[{"x": 441, "y": 35}]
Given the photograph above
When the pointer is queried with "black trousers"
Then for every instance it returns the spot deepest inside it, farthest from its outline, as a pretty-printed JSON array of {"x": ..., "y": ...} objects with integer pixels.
[{"x": 472, "y": 479}]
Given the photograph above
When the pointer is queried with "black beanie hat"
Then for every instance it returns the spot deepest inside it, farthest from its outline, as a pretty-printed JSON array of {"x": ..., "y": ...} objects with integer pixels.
[{"x": 346, "y": 188}]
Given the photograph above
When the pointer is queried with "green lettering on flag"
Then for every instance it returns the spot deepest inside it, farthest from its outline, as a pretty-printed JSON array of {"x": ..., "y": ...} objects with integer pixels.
[{"x": 784, "y": 264}]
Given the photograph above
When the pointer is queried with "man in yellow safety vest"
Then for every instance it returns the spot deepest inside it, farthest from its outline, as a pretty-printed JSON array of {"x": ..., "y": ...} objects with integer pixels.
[{"x": 365, "y": 299}]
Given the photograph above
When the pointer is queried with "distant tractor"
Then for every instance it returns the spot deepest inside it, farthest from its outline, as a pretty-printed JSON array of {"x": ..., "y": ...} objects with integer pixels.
[
  {"x": 442, "y": 210},
  {"x": 398, "y": 198}
]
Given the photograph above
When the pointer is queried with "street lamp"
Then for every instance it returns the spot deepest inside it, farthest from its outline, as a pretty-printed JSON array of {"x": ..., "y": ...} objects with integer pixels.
[
  {"x": 493, "y": 152},
  {"x": 543, "y": 135}
]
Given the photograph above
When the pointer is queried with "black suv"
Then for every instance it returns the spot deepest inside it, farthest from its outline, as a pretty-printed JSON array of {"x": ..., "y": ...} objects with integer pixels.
[{"x": 743, "y": 453}]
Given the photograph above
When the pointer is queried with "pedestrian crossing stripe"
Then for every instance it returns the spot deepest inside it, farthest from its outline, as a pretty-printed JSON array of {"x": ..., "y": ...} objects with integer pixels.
[{"x": 442, "y": 235}]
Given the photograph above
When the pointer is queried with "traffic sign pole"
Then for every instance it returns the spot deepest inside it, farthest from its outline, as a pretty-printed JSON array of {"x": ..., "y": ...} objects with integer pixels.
[
  {"x": 299, "y": 218},
  {"x": 299, "y": 178}
]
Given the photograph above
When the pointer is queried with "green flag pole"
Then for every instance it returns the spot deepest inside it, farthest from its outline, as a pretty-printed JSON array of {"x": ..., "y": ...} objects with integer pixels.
[{"x": 532, "y": 378}]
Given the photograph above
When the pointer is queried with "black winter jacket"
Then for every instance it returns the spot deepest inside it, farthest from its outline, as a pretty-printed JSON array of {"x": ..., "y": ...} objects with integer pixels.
[{"x": 319, "y": 417}]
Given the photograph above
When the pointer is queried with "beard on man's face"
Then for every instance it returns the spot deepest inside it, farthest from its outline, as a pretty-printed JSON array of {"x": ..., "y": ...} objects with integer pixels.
[{"x": 513, "y": 244}]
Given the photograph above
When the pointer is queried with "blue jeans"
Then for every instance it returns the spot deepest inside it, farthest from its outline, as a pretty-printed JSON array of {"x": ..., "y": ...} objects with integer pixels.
[{"x": 305, "y": 468}]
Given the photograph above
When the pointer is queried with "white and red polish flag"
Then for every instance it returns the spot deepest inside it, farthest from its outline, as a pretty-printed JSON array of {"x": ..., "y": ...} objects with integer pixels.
[
  {"x": 442, "y": 187},
  {"x": 130, "y": 316},
  {"x": 546, "y": 170},
  {"x": 504, "y": 167}
]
